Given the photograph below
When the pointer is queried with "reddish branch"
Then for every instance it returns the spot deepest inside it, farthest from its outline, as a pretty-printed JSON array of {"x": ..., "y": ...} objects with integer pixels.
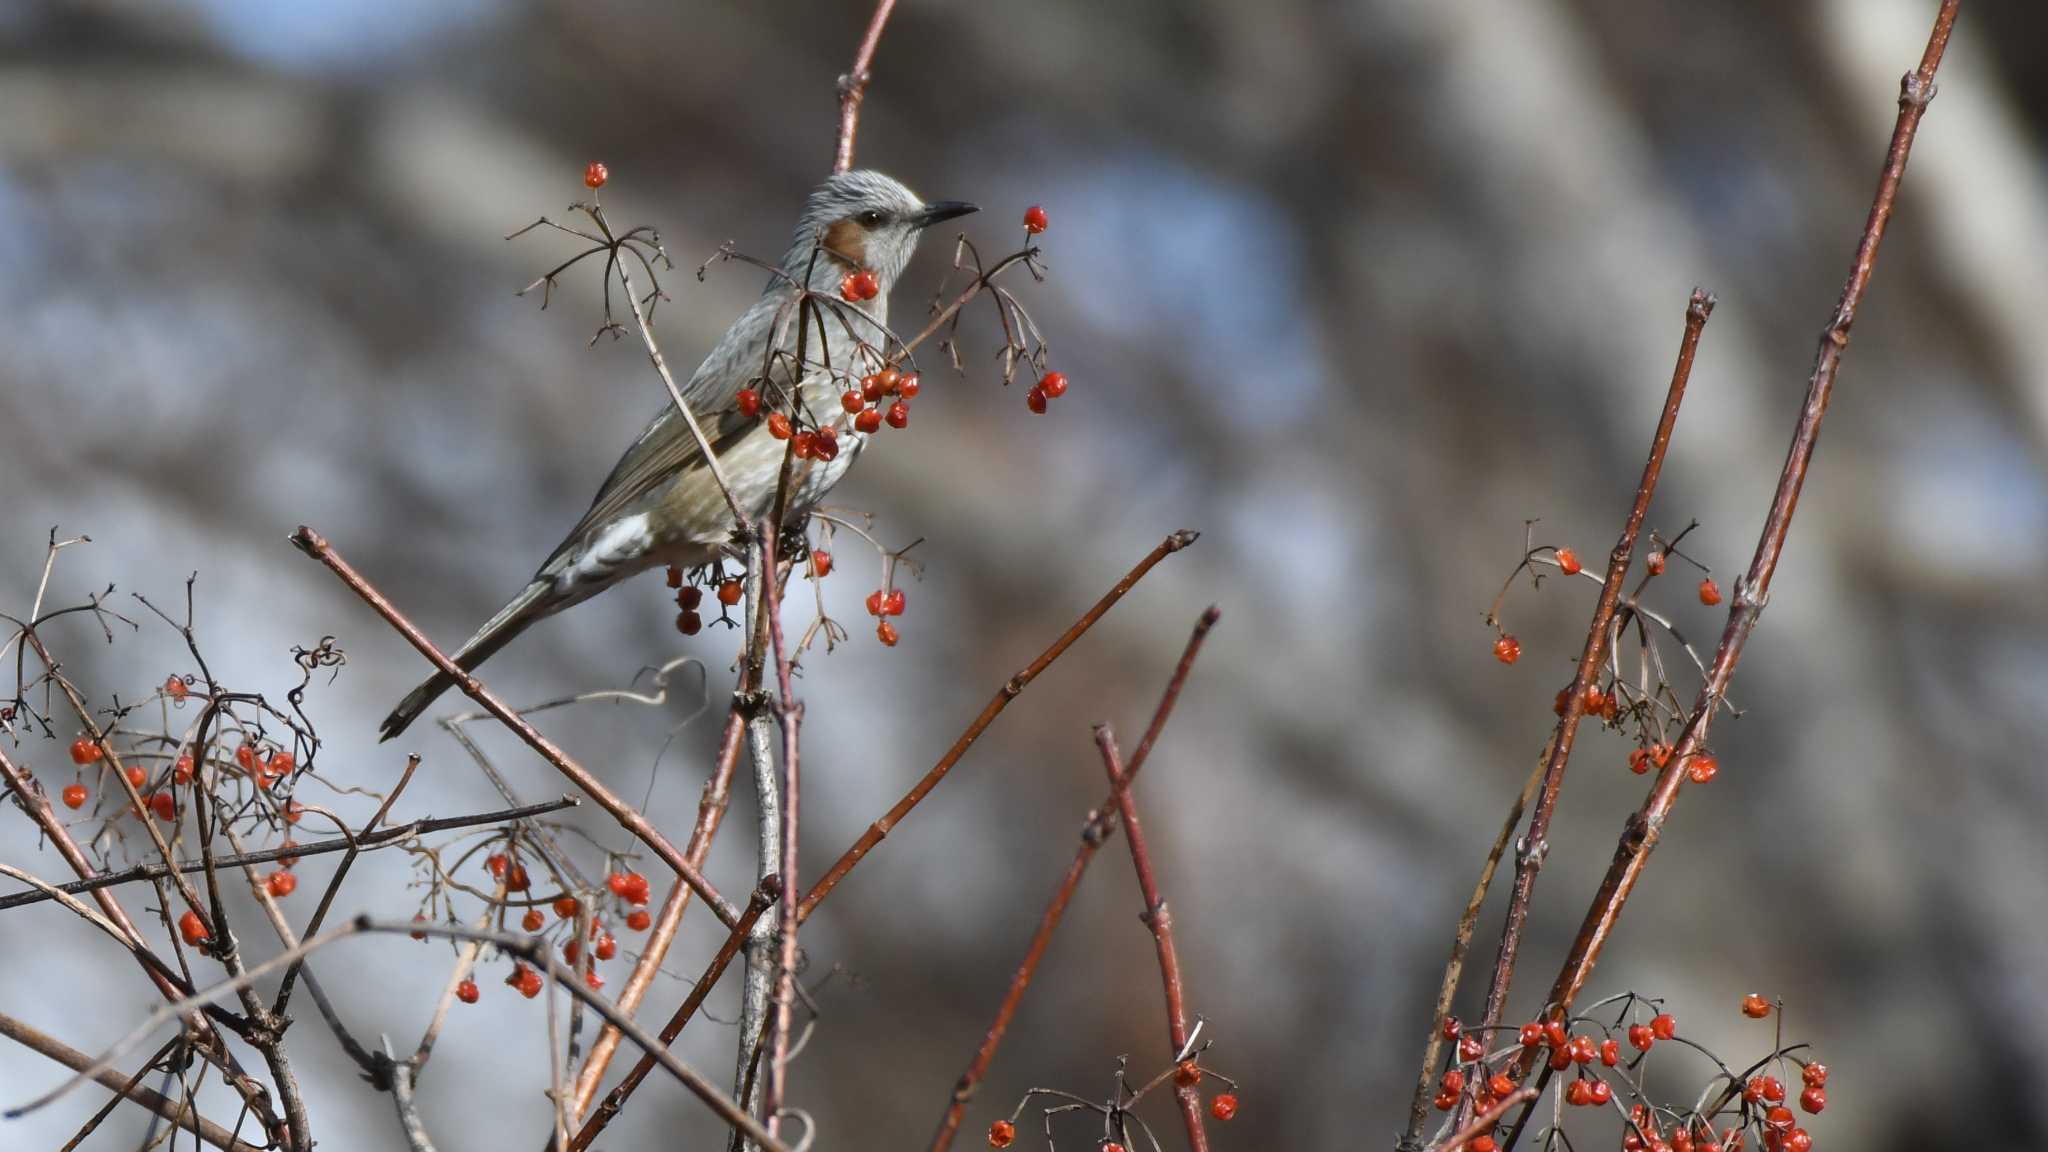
[
  {"x": 853, "y": 87},
  {"x": 1010, "y": 690},
  {"x": 767, "y": 893},
  {"x": 790, "y": 711},
  {"x": 1102, "y": 824},
  {"x": 1752, "y": 591},
  {"x": 1529, "y": 853},
  {"x": 311, "y": 543},
  {"x": 1160, "y": 919}
]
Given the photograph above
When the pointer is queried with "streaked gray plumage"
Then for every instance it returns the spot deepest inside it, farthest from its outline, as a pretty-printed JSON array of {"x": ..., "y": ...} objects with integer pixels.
[{"x": 660, "y": 504}]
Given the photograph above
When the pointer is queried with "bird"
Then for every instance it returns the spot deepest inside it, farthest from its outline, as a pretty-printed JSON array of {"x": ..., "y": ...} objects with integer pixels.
[{"x": 661, "y": 505}]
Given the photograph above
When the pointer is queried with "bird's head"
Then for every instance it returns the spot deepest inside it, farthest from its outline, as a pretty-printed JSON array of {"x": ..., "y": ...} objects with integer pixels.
[{"x": 861, "y": 219}]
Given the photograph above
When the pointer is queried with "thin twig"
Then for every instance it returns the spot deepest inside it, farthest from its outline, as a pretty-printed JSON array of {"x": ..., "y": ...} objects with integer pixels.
[
  {"x": 1530, "y": 851},
  {"x": 177, "y": 1112},
  {"x": 1159, "y": 919},
  {"x": 853, "y": 87}
]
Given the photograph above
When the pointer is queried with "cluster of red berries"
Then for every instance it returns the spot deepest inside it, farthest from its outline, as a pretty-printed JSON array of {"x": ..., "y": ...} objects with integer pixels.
[
  {"x": 1050, "y": 386},
  {"x": 85, "y": 750},
  {"x": 689, "y": 597},
  {"x": 882, "y": 605},
  {"x": 631, "y": 888},
  {"x": 859, "y": 285},
  {"x": 864, "y": 403},
  {"x": 267, "y": 768}
]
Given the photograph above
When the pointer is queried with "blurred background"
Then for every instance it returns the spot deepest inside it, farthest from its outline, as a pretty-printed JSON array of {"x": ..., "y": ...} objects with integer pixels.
[{"x": 1354, "y": 289}]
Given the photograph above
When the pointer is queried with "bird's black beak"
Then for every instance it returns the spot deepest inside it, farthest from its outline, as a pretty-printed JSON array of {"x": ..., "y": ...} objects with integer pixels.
[{"x": 942, "y": 210}]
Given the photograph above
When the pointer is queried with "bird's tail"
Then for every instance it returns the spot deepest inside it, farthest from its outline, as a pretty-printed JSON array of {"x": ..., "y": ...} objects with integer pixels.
[{"x": 537, "y": 600}]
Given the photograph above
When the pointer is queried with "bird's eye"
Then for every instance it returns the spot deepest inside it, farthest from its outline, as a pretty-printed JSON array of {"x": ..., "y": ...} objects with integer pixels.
[{"x": 870, "y": 218}]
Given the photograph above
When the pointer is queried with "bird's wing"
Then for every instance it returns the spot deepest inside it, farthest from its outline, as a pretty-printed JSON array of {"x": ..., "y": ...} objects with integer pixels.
[{"x": 665, "y": 448}]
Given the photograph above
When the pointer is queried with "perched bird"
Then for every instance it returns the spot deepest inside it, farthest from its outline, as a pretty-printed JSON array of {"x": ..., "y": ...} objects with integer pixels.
[{"x": 660, "y": 505}]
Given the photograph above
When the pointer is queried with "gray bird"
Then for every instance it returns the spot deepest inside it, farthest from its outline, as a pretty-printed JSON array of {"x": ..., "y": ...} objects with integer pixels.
[{"x": 660, "y": 504}]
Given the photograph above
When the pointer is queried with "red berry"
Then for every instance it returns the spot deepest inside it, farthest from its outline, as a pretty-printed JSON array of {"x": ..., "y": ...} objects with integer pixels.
[
  {"x": 909, "y": 386},
  {"x": 1500, "y": 1084},
  {"x": 1660, "y": 754},
  {"x": 1779, "y": 1117},
  {"x": 1583, "y": 1050},
  {"x": 869, "y": 421},
  {"x": 874, "y": 602},
  {"x": 689, "y": 623},
  {"x": 1554, "y": 1033},
  {"x": 418, "y": 935},
  {"x": 566, "y": 907},
  {"x": 84, "y": 750},
  {"x": 1224, "y": 1106},
  {"x": 533, "y": 920},
  {"x": 516, "y": 879},
  {"x": 1453, "y": 1083},
  {"x": 525, "y": 979},
  {"x": 175, "y": 689},
  {"x": 1507, "y": 649},
  {"x": 636, "y": 890},
  {"x": 1187, "y": 1073},
  {"x": 849, "y": 288},
  {"x": 164, "y": 805},
  {"x": 1610, "y": 1053},
  {"x": 1564, "y": 696},
  {"x": 281, "y": 884},
  {"x": 821, "y": 563},
  {"x": 638, "y": 919},
  {"x": 730, "y": 592},
  {"x": 1639, "y": 761},
  {"x": 805, "y": 445},
  {"x": 1470, "y": 1048},
  {"x": 1702, "y": 768},
  {"x": 466, "y": 991},
  {"x": 827, "y": 444},
  {"x": 1755, "y": 1007},
  {"x": 899, "y": 414},
  {"x": 74, "y": 796},
  {"x": 1798, "y": 1140},
  {"x": 1640, "y": 1037},
  {"x": 1035, "y": 399},
  {"x": 1773, "y": 1089},
  {"x": 1710, "y": 592},
  {"x": 851, "y": 400},
  {"x": 246, "y": 757},
  {"x": 892, "y": 604},
  {"x": 181, "y": 770},
  {"x": 1034, "y": 220},
  {"x": 618, "y": 883},
  {"x": 593, "y": 979},
  {"x": 1664, "y": 1026},
  {"x": 1655, "y": 563},
  {"x": 1001, "y": 1134},
  {"x": 749, "y": 403},
  {"x": 778, "y": 425},
  {"x": 287, "y": 861},
  {"x": 595, "y": 175},
  {"x": 1053, "y": 384},
  {"x": 496, "y": 863},
  {"x": 1579, "y": 1093},
  {"x": 278, "y": 767},
  {"x": 888, "y": 380},
  {"x": 886, "y": 633},
  {"x": 1815, "y": 1075},
  {"x": 1532, "y": 1035},
  {"x": 192, "y": 928},
  {"x": 1567, "y": 561},
  {"x": 572, "y": 951},
  {"x": 1484, "y": 1142},
  {"x": 689, "y": 598},
  {"x": 675, "y": 574},
  {"x": 1602, "y": 1092},
  {"x": 868, "y": 285},
  {"x": 871, "y": 388},
  {"x": 606, "y": 947},
  {"x": 1814, "y": 1098}
]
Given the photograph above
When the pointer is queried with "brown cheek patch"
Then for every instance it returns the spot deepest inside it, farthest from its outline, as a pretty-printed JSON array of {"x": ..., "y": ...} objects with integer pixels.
[{"x": 847, "y": 242}]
